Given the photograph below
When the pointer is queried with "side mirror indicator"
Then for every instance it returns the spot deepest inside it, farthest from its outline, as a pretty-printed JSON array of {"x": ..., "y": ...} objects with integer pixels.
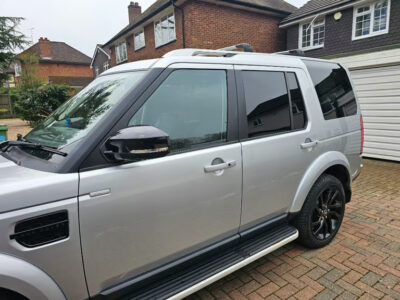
[{"x": 137, "y": 143}]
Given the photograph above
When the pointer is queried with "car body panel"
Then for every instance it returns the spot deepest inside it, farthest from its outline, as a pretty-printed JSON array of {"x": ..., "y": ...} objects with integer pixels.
[
  {"x": 28, "y": 280},
  {"x": 156, "y": 211},
  {"x": 24, "y": 187},
  {"x": 61, "y": 260}
]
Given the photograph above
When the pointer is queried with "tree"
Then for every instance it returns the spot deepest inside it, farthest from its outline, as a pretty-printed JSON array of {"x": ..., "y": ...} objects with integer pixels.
[
  {"x": 10, "y": 40},
  {"x": 29, "y": 80},
  {"x": 36, "y": 103}
]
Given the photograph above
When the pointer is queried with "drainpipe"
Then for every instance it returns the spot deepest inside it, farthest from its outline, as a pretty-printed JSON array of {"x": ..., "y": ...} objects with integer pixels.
[{"x": 183, "y": 22}]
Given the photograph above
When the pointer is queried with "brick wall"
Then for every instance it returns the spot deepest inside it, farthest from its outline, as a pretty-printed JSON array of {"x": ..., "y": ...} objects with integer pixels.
[
  {"x": 44, "y": 70},
  {"x": 150, "y": 51},
  {"x": 215, "y": 26},
  {"x": 338, "y": 34},
  {"x": 212, "y": 26}
]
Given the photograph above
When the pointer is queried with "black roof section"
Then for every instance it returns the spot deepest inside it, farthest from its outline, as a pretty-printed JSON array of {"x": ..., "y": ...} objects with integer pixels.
[
  {"x": 313, "y": 7},
  {"x": 277, "y": 6}
]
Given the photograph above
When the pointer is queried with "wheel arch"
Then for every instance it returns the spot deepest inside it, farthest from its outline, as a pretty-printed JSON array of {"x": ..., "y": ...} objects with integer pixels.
[
  {"x": 334, "y": 163},
  {"x": 19, "y": 276}
]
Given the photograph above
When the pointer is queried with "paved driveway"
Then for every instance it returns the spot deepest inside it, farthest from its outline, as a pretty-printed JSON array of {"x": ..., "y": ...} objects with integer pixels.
[
  {"x": 362, "y": 262},
  {"x": 15, "y": 126}
]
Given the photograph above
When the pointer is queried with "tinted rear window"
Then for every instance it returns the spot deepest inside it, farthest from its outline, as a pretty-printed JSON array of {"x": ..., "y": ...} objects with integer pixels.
[
  {"x": 333, "y": 88},
  {"x": 267, "y": 102}
]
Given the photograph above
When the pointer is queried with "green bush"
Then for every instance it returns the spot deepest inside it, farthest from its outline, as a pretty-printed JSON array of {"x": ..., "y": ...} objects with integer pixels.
[{"x": 35, "y": 104}]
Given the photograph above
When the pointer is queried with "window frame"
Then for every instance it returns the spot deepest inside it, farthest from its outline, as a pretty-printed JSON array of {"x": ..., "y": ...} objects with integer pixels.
[
  {"x": 243, "y": 130},
  {"x": 159, "y": 20},
  {"x": 17, "y": 68},
  {"x": 311, "y": 47},
  {"x": 118, "y": 59},
  {"x": 106, "y": 65},
  {"x": 137, "y": 48},
  {"x": 371, "y": 25},
  {"x": 232, "y": 107}
]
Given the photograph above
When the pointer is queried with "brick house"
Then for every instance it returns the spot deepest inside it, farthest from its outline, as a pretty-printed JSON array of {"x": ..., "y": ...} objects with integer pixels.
[
  {"x": 365, "y": 36},
  {"x": 169, "y": 25},
  {"x": 59, "y": 63}
]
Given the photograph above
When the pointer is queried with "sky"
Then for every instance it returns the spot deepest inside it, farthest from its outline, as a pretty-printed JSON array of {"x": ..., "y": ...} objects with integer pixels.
[{"x": 80, "y": 23}]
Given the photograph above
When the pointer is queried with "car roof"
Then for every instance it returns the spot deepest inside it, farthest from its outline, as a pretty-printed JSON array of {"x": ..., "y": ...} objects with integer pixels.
[{"x": 214, "y": 57}]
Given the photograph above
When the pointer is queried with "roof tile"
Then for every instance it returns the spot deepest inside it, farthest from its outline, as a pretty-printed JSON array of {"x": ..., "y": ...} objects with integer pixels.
[
  {"x": 61, "y": 52},
  {"x": 312, "y": 7}
]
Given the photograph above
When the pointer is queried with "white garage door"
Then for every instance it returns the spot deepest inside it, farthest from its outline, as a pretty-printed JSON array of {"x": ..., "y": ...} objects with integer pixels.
[{"x": 378, "y": 90}]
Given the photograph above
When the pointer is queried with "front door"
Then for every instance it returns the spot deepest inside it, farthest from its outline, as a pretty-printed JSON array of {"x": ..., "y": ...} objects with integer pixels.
[{"x": 138, "y": 216}]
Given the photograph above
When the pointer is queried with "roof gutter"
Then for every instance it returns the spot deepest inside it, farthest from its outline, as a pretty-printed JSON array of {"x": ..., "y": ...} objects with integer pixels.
[
  {"x": 51, "y": 61},
  {"x": 320, "y": 13},
  {"x": 158, "y": 10}
]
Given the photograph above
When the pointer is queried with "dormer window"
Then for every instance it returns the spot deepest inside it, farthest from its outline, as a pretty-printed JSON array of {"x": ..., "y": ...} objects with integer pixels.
[
  {"x": 312, "y": 34},
  {"x": 371, "y": 19}
]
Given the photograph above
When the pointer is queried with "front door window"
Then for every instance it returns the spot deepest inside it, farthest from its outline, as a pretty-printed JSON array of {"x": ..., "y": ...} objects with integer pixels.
[{"x": 191, "y": 107}]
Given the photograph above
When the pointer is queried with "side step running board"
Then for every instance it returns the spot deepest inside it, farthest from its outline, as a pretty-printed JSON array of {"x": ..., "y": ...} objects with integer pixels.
[{"x": 217, "y": 266}]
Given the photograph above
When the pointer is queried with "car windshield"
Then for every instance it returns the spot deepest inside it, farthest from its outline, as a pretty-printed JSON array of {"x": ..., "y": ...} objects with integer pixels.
[{"x": 75, "y": 118}]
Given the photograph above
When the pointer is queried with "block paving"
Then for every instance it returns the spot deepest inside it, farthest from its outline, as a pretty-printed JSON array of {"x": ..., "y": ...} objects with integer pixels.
[{"x": 362, "y": 262}]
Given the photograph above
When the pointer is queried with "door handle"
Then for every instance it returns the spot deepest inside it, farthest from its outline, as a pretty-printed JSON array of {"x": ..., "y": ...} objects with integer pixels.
[
  {"x": 218, "y": 167},
  {"x": 309, "y": 143}
]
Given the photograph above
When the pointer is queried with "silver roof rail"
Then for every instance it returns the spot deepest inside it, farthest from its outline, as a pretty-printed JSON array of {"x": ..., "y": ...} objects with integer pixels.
[
  {"x": 246, "y": 47},
  {"x": 294, "y": 52},
  {"x": 201, "y": 52}
]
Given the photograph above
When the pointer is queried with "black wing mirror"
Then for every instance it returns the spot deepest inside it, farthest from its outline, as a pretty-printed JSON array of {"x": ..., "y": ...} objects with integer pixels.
[{"x": 137, "y": 143}]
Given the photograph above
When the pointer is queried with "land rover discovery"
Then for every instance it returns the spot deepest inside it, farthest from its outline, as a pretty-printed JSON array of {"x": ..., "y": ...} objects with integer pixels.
[{"x": 164, "y": 175}]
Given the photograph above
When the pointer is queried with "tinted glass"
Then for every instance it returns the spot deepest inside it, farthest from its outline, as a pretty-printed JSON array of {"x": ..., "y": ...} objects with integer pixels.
[
  {"x": 75, "y": 118},
  {"x": 334, "y": 90},
  {"x": 267, "y": 102},
  {"x": 298, "y": 110},
  {"x": 190, "y": 106}
]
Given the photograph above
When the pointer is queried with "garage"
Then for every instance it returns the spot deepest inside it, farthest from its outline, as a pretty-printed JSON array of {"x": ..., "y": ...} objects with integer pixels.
[
  {"x": 378, "y": 90},
  {"x": 376, "y": 77}
]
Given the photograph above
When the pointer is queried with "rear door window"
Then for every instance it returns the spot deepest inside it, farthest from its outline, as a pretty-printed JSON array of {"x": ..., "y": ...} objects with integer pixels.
[
  {"x": 333, "y": 88},
  {"x": 267, "y": 102}
]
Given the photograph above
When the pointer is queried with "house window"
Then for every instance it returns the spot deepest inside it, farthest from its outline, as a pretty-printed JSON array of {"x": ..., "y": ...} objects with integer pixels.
[
  {"x": 371, "y": 19},
  {"x": 17, "y": 68},
  {"x": 312, "y": 35},
  {"x": 120, "y": 52},
  {"x": 139, "y": 40},
  {"x": 164, "y": 30},
  {"x": 106, "y": 65}
]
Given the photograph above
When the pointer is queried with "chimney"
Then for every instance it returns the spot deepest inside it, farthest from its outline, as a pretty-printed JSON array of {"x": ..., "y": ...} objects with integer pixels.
[
  {"x": 44, "y": 46},
  {"x": 134, "y": 11}
]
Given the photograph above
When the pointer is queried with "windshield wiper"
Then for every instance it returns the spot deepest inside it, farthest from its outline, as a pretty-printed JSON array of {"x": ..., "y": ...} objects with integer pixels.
[{"x": 24, "y": 144}]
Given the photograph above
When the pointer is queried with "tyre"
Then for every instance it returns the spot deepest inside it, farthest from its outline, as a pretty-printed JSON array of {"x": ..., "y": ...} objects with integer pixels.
[
  {"x": 321, "y": 216},
  {"x": 10, "y": 295}
]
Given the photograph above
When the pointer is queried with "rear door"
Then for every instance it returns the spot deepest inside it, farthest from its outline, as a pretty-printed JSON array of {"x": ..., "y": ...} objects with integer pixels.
[
  {"x": 278, "y": 140},
  {"x": 138, "y": 216}
]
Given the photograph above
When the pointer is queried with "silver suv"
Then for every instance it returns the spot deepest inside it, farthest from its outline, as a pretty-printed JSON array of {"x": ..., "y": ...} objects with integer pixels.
[{"x": 165, "y": 175}]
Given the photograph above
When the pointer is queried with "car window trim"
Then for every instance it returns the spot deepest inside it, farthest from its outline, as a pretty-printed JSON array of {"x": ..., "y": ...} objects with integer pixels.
[{"x": 243, "y": 130}]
